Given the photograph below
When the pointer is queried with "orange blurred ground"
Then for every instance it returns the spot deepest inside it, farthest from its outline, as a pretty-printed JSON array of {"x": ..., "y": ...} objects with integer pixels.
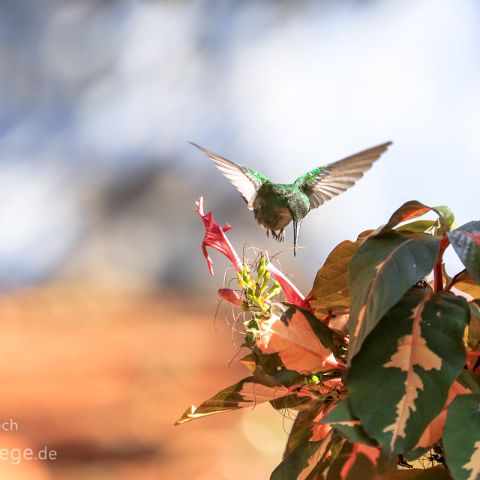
[{"x": 100, "y": 375}]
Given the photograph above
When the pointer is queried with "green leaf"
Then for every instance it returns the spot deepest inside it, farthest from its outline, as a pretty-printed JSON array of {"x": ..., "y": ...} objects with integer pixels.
[
  {"x": 466, "y": 242},
  {"x": 461, "y": 438},
  {"x": 383, "y": 269},
  {"x": 470, "y": 380},
  {"x": 446, "y": 217},
  {"x": 418, "y": 226},
  {"x": 400, "y": 379},
  {"x": 474, "y": 325},
  {"x": 344, "y": 421}
]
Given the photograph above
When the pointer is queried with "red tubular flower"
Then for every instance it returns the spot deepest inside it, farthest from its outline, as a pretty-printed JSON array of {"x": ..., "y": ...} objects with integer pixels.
[
  {"x": 231, "y": 296},
  {"x": 291, "y": 292},
  {"x": 215, "y": 238}
]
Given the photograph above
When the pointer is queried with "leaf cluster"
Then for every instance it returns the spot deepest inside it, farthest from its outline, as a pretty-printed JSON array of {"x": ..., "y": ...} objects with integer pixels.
[{"x": 381, "y": 359}]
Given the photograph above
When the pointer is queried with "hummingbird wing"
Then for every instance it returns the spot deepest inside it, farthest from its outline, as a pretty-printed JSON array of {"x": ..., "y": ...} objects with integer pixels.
[
  {"x": 323, "y": 183},
  {"x": 246, "y": 180}
]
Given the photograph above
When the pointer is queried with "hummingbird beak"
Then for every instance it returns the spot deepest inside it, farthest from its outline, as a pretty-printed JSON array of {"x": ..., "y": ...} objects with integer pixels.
[{"x": 296, "y": 233}]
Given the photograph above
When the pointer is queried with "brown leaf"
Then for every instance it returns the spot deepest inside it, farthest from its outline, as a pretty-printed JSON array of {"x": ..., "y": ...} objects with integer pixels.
[
  {"x": 464, "y": 281},
  {"x": 330, "y": 289}
]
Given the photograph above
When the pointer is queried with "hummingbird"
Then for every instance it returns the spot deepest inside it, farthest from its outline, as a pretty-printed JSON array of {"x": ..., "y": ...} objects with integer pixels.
[{"x": 275, "y": 205}]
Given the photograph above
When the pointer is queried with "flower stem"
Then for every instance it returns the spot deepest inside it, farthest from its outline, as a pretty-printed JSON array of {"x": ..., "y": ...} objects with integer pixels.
[
  {"x": 438, "y": 269},
  {"x": 438, "y": 276}
]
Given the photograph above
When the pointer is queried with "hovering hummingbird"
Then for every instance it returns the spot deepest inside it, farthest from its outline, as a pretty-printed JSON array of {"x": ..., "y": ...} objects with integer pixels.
[{"x": 275, "y": 205}]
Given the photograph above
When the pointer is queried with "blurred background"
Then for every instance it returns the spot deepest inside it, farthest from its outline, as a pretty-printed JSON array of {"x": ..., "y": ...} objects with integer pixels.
[{"x": 107, "y": 308}]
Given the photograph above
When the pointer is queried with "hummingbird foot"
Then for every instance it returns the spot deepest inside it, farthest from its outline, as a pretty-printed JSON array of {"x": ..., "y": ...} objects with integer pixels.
[{"x": 278, "y": 236}]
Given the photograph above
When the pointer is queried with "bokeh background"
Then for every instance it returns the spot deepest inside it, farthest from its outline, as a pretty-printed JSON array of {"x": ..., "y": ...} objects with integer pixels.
[{"x": 107, "y": 309}]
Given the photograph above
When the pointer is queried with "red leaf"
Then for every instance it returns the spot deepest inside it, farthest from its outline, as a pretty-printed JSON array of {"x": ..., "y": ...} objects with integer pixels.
[
  {"x": 291, "y": 292},
  {"x": 231, "y": 296}
]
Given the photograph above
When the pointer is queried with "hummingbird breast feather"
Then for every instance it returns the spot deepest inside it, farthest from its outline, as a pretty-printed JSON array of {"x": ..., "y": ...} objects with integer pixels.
[
  {"x": 273, "y": 219},
  {"x": 271, "y": 208}
]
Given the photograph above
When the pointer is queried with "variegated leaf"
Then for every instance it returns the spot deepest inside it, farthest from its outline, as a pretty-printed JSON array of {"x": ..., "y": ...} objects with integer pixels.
[
  {"x": 342, "y": 419},
  {"x": 363, "y": 469},
  {"x": 461, "y": 438},
  {"x": 291, "y": 402},
  {"x": 302, "y": 428},
  {"x": 434, "y": 430},
  {"x": 246, "y": 393},
  {"x": 383, "y": 268},
  {"x": 361, "y": 462},
  {"x": 308, "y": 460},
  {"x": 268, "y": 369},
  {"x": 466, "y": 242},
  {"x": 300, "y": 463},
  {"x": 302, "y": 342},
  {"x": 359, "y": 450},
  {"x": 399, "y": 381}
]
